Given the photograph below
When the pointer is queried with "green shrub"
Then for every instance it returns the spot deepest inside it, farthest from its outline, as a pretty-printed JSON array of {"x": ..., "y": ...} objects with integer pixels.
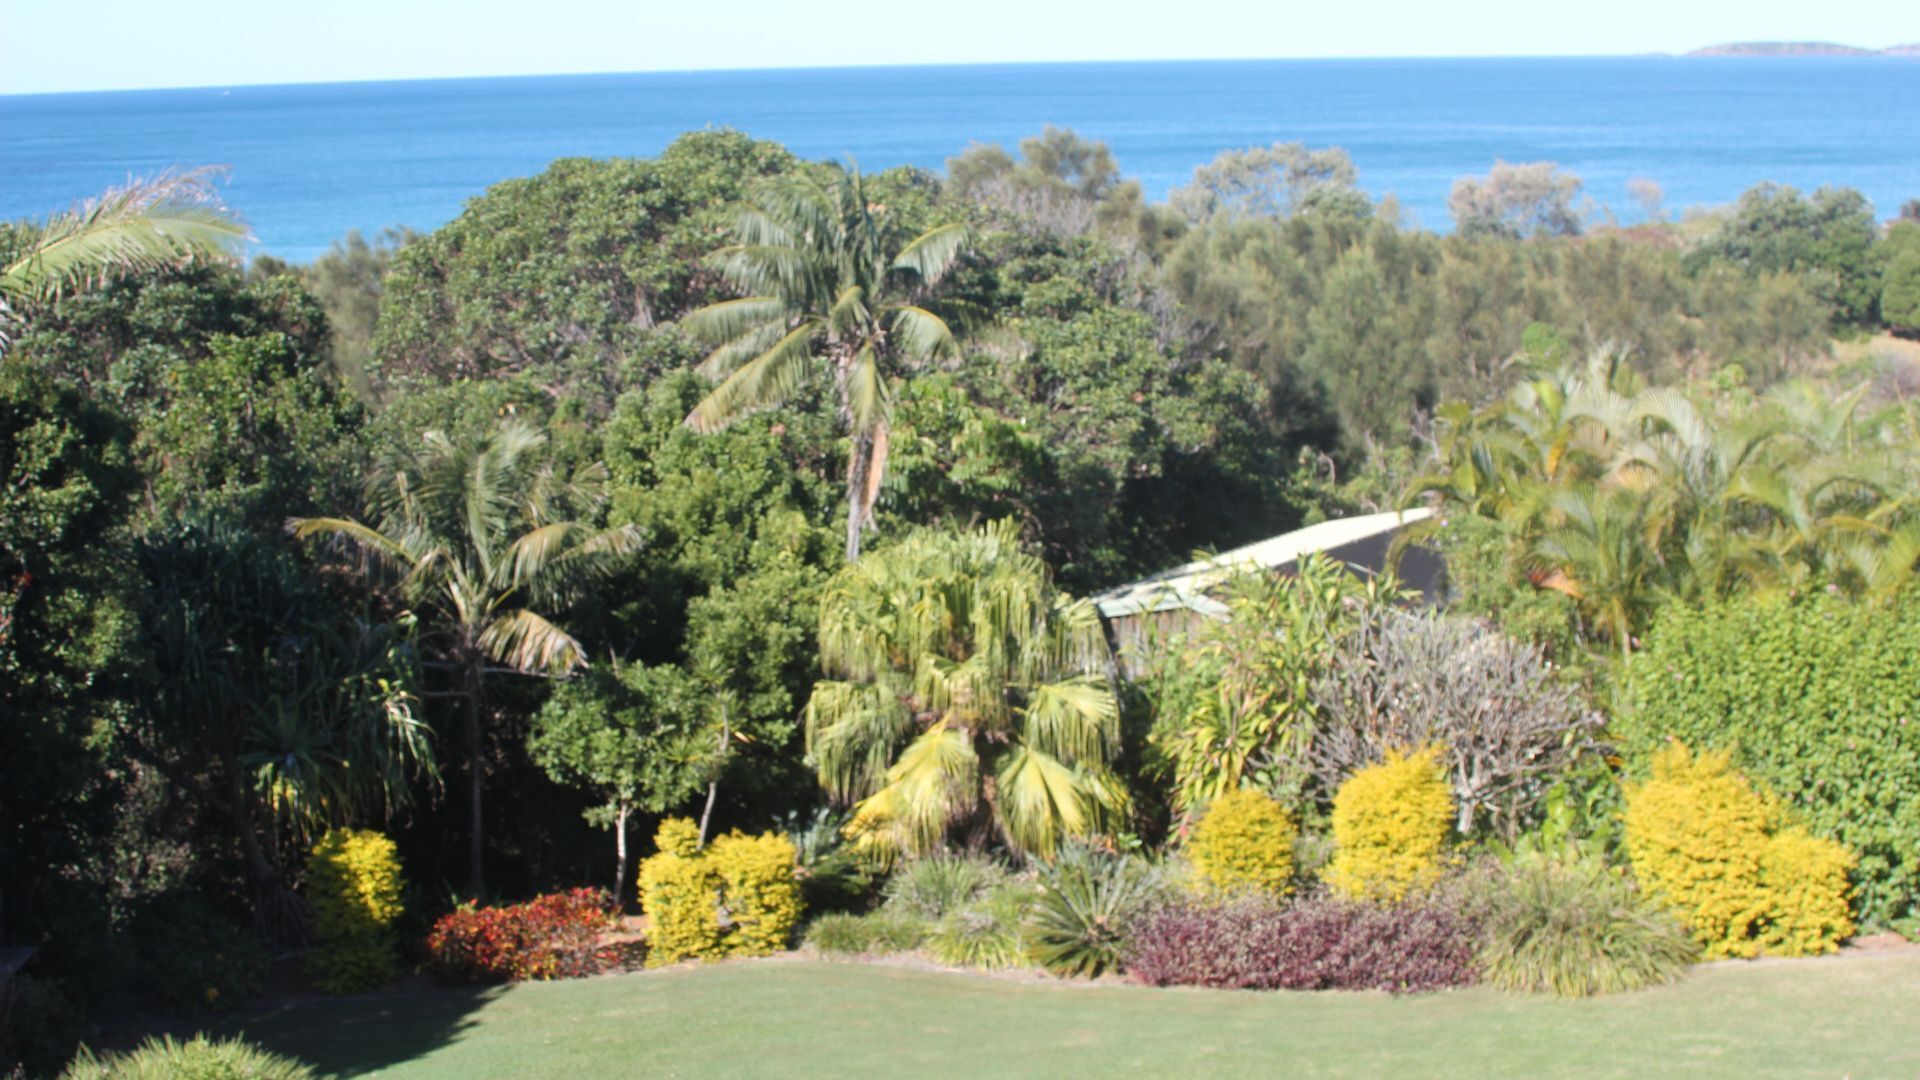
[
  {"x": 196, "y": 1059},
  {"x": 934, "y": 887},
  {"x": 39, "y": 1026},
  {"x": 193, "y": 957},
  {"x": 1703, "y": 840},
  {"x": 1390, "y": 824},
  {"x": 988, "y": 933},
  {"x": 353, "y": 886},
  {"x": 1572, "y": 926},
  {"x": 1087, "y": 901},
  {"x": 738, "y": 897},
  {"x": 879, "y": 934},
  {"x": 1816, "y": 699},
  {"x": 1245, "y": 840}
]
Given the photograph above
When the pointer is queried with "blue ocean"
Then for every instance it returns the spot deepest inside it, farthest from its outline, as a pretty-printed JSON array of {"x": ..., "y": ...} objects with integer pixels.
[{"x": 311, "y": 162}]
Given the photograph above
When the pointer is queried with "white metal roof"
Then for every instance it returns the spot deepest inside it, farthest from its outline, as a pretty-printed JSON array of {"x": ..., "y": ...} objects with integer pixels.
[{"x": 1185, "y": 586}]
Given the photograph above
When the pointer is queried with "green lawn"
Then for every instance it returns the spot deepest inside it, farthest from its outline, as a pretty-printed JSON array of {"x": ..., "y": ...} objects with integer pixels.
[{"x": 1857, "y": 1016}]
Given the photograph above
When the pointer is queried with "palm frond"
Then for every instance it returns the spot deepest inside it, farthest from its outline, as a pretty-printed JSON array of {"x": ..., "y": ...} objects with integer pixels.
[
  {"x": 527, "y": 642},
  {"x": 764, "y": 382},
  {"x": 147, "y": 224},
  {"x": 934, "y": 252}
]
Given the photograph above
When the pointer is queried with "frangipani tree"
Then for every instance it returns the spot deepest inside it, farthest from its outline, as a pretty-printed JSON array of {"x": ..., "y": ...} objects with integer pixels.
[
  {"x": 968, "y": 697},
  {"x": 834, "y": 288},
  {"x": 146, "y": 224},
  {"x": 474, "y": 529}
]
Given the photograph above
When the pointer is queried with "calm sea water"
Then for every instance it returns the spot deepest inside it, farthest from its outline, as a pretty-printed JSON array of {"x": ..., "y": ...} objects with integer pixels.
[{"x": 310, "y": 162}]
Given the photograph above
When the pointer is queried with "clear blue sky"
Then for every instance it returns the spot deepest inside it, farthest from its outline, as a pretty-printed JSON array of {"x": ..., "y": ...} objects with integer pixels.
[{"x": 60, "y": 45}]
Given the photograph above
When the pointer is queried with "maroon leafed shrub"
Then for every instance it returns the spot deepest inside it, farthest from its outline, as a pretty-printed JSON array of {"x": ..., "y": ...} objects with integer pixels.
[
  {"x": 1316, "y": 944},
  {"x": 556, "y": 936}
]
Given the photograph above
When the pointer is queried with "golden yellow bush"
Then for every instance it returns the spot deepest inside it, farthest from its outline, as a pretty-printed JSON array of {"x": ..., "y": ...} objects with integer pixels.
[
  {"x": 1695, "y": 833},
  {"x": 1702, "y": 839},
  {"x": 1245, "y": 840},
  {"x": 353, "y": 887},
  {"x": 738, "y": 897},
  {"x": 1390, "y": 825},
  {"x": 1805, "y": 878}
]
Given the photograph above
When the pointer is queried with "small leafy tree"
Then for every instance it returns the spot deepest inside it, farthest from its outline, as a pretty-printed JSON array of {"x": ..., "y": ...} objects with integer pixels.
[
  {"x": 1517, "y": 200},
  {"x": 968, "y": 698},
  {"x": 635, "y": 735}
]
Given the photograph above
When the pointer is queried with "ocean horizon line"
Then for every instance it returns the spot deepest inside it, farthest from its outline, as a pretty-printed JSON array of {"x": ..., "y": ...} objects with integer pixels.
[{"x": 408, "y": 80}]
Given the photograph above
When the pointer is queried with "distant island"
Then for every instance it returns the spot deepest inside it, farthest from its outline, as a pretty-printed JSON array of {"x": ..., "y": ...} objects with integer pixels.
[{"x": 1801, "y": 48}]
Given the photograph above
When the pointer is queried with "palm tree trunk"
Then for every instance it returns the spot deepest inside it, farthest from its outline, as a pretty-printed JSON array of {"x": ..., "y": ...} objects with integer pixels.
[
  {"x": 857, "y": 466},
  {"x": 476, "y": 884}
]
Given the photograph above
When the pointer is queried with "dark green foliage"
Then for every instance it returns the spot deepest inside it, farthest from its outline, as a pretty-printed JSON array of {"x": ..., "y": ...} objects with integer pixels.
[
  {"x": 1816, "y": 697},
  {"x": 1571, "y": 926},
  {"x": 1087, "y": 902},
  {"x": 833, "y": 876},
  {"x": 1826, "y": 236},
  {"x": 571, "y": 267},
  {"x": 199, "y": 1058},
  {"x": 39, "y": 1026},
  {"x": 1900, "y": 283},
  {"x": 348, "y": 282}
]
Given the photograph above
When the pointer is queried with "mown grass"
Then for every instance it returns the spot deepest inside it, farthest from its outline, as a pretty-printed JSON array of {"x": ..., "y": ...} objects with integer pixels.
[{"x": 1856, "y": 1016}]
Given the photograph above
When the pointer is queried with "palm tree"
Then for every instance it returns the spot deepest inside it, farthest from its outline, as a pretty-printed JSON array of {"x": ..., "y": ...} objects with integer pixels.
[
  {"x": 147, "y": 224},
  {"x": 833, "y": 286},
  {"x": 968, "y": 697},
  {"x": 474, "y": 528}
]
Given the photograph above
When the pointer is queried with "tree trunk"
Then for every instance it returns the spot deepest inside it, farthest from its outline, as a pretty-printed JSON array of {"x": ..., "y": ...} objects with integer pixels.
[
  {"x": 620, "y": 858},
  {"x": 857, "y": 465},
  {"x": 713, "y": 785},
  {"x": 476, "y": 883}
]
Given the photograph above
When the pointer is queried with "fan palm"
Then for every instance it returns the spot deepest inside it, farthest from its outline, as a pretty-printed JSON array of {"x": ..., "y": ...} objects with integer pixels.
[
  {"x": 146, "y": 224},
  {"x": 474, "y": 529},
  {"x": 833, "y": 287},
  {"x": 967, "y": 697}
]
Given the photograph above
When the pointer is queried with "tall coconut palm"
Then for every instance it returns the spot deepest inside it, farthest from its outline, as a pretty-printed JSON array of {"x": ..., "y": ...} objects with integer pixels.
[
  {"x": 834, "y": 287},
  {"x": 474, "y": 529},
  {"x": 968, "y": 698},
  {"x": 146, "y": 224}
]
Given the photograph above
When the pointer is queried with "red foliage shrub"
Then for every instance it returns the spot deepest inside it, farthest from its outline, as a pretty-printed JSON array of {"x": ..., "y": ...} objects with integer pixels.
[
  {"x": 1319, "y": 944},
  {"x": 556, "y": 936}
]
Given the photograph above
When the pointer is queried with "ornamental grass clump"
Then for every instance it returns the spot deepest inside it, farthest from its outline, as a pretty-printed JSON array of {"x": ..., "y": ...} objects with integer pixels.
[
  {"x": 1087, "y": 901},
  {"x": 1707, "y": 843},
  {"x": 879, "y": 934},
  {"x": 199, "y": 1058},
  {"x": 1244, "y": 841},
  {"x": 989, "y": 933},
  {"x": 1573, "y": 927},
  {"x": 736, "y": 897},
  {"x": 353, "y": 887},
  {"x": 930, "y": 888},
  {"x": 1390, "y": 824}
]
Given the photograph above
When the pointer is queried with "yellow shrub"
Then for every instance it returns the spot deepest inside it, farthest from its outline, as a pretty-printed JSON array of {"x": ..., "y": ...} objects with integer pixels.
[
  {"x": 353, "y": 887},
  {"x": 1808, "y": 896},
  {"x": 1390, "y": 825},
  {"x": 736, "y": 898},
  {"x": 1698, "y": 837},
  {"x": 1244, "y": 841},
  {"x": 1695, "y": 834}
]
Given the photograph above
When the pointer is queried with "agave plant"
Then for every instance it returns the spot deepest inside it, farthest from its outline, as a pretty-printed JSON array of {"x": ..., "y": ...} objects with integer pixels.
[{"x": 1088, "y": 901}]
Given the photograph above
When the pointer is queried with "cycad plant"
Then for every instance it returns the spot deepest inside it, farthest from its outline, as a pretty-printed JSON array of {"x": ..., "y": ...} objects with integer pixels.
[
  {"x": 968, "y": 698},
  {"x": 146, "y": 224},
  {"x": 476, "y": 532},
  {"x": 835, "y": 288}
]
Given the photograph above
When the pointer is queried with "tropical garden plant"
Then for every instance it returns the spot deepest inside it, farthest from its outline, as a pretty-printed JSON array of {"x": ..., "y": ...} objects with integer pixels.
[
  {"x": 474, "y": 533},
  {"x": 835, "y": 288},
  {"x": 967, "y": 699}
]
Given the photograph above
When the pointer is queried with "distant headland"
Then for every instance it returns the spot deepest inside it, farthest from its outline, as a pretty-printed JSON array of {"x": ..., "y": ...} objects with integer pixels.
[{"x": 1801, "y": 48}]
